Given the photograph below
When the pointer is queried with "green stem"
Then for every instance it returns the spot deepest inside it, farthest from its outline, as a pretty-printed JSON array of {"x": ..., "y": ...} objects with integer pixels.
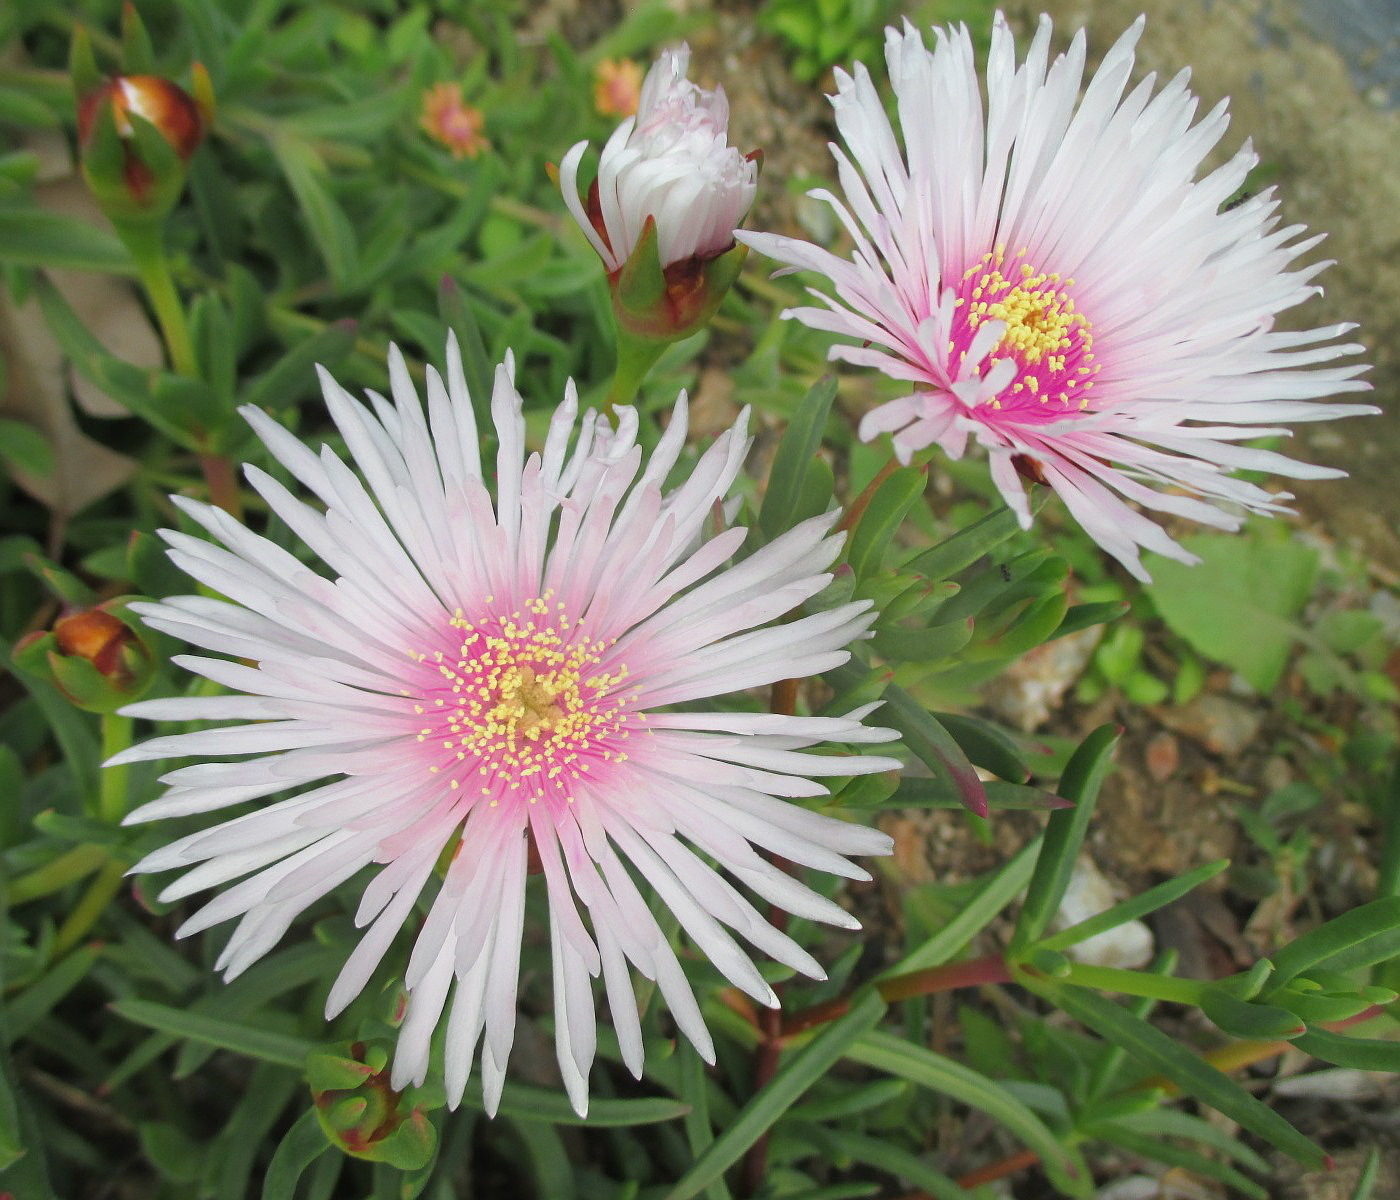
[
  {"x": 90, "y": 908},
  {"x": 147, "y": 249},
  {"x": 112, "y": 786},
  {"x": 1135, "y": 983},
  {"x": 635, "y": 357}
]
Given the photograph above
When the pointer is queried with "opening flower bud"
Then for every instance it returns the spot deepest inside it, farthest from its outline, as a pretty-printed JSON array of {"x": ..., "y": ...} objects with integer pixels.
[
  {"x": 662, "y": 211},
  {"x": 672, "y": 162}
]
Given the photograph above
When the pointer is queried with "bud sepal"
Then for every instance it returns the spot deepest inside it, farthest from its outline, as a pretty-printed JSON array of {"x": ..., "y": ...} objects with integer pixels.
[
  {"x": 361, "y": 1114},
  {"x": 95, "y": 656}
]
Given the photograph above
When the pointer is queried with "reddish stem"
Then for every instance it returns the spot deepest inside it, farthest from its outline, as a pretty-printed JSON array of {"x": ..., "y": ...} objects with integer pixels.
[
  {"x": 998, "y": 1170},
  {"x": 976, "y": 971},
  {"x": 222, "y": 480},
  {"x": 858, "y": 506}
]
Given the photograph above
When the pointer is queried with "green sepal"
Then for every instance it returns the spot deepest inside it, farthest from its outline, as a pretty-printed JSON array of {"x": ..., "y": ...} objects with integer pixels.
[
  {"x": 362, "y": 1115},
  {"x": 138, "y": 55},
  {"x": 84, "y": 684},
  {"x": 328, "y": 1071},
  {"x": 640, "y": 282},
  {"x": 670, "y": 303},
  {"x": 82, "y": 65},
  {"x": 136, "y": 180}
]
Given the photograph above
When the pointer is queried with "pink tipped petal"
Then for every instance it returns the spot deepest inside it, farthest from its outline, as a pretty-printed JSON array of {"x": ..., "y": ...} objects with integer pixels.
[
  {"x": 671, "y": 163},
  {"x": 1063, "y": 263},
  {"x": 480, "y": 673}
]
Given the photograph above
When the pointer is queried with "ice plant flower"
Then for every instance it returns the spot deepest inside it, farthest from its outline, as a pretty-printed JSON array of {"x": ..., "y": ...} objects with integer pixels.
[
  {"x": 672, "y": 163},
  {"x": 617, "y": 87},
  {"x": 448, "y": 119},
  {"x": 1055, "y": 283},
  {"x": 494, "y": 678}
]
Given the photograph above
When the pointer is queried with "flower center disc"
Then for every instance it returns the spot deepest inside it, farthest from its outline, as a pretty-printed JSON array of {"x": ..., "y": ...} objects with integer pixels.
[
  {"x": 1046, "y": 337},
  {"x": 523, "y": 704}
]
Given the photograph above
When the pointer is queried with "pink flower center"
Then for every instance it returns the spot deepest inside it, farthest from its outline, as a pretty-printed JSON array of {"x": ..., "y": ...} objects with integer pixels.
[
  {"x": 1046, "y": 337},
  {"x": 521, "y": 706}
]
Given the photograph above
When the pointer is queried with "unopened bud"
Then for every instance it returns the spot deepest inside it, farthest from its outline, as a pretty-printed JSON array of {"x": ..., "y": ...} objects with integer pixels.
[
  {"x": 136, "y": 134},
  {"x": 359, "y": 1111},
  {"x": 94, "y": 656}
]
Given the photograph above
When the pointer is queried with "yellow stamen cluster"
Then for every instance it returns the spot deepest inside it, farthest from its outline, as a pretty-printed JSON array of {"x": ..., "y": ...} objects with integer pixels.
[
  {"x": 525, "y": 700},
  {"x": 1042, "y": 324}
]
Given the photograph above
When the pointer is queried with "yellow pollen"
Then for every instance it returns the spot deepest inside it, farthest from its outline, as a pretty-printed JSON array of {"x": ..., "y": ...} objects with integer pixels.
[{"x": 527, "y": 696}]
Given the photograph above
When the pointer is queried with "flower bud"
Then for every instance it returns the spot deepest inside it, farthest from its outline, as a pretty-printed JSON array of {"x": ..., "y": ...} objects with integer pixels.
[
  {"x": 617, "y": 87},
  {"x": 94, "y": 656},
  {"x": 361, "y": 1114},
  {"x": 136, "y": 134},
  {"x": 662, "y": 212}
]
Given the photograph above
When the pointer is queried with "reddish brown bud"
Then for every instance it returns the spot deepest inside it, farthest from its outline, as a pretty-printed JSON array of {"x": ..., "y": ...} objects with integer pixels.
[
  {"x": 96, "y": 636},
  {"x": 166, "y": 105}
]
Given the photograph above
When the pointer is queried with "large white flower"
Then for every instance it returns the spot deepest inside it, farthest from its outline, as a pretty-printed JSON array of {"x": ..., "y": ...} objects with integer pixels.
[
  {"x": 495, "y": 677},
  {"x": 1055, "y": 283},
  {"x": 673, "y": 163}
]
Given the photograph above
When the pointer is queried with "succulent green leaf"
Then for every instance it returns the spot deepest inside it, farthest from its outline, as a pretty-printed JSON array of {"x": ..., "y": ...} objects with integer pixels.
[
  {"x": 802, "y": 1069},
  {"x": 793, "y": 461},
  {"x": 1064, "y": 834}
]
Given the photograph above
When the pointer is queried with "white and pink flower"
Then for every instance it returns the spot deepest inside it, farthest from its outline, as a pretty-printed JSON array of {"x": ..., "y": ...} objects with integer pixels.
[
  {"x": 494, "y": 676},
  {"x": 1055, "y": 283},
  {"x": 672, "y": 163}
]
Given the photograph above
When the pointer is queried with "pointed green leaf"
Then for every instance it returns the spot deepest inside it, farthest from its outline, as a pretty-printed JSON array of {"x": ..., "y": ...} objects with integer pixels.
[
  {"x": 962, "y": 549},
  {"x": 794, "y": 458},
  {"x": 1366, "y": 1054},
  {"x": 303, "y": 1145},
  {"x": 895, "y": 1056},
  {"x": 924, "y": 737},
  {"x": 1365, "y": 935},
  {"x": 295, "y": 372},
  {"x": 1064, "y": 834},
  {"x": 999, "y": 890},
  {"x": 1159, "y": 1052},
  {"x": 1243, "y": 1019},
  {"x": 933, "y": 644},
  {"x": 330, "y": 228},
  {"x": 285, "y": 1049},
  {"x": 883, "y": 515},
  {"x": 986, "y": 746},
  {"x": 33, "y": 237},
  {"x": 1193, "y": 1161},
  {"x": 882, "y": 1154},
  {"x": 1135, "y": 907},
  {"x": 802, "y": 1069},
  {"x": 1082, "y": 616}
]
